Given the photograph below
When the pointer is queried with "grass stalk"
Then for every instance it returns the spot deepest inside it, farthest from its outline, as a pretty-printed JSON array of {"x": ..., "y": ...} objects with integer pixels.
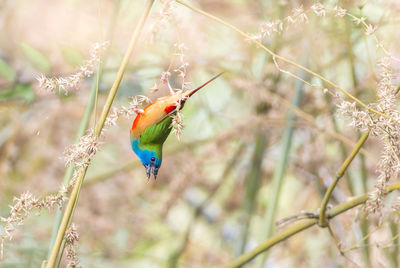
[
  {"x": 299, "y": 227},
  {"x": 70, "y": 170},
  {"x": 394, "y": 251},
  {"x": 252, "y": 186},
  {"x": 342, "y": 148},
  {"x": 279, "y": 172},
  {"x": 276, "y": 56},
  {"x": 91, "y": 106},
  {"x": 364, "y": 222},
  {"x": 68, "y": 213},
  {"x": 322, "y": 221}
]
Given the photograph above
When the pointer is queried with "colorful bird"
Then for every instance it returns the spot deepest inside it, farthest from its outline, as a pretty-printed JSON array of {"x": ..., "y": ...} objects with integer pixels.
[{"x": 151, "y": 128}]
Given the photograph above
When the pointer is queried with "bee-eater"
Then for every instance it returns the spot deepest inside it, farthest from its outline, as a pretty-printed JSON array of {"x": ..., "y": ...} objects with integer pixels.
[{"x": 151, "y": 128}]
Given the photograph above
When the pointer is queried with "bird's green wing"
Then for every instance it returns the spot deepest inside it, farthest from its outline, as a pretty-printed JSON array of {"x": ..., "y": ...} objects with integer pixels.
[{"x": 157, "y": 133}]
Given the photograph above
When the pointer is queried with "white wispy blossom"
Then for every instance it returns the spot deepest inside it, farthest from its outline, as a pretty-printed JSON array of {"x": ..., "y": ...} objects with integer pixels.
[
  {"x": 177, "y": 121},
  {"x": 71, "y": 82},
  {"x": 387, "y": 128},
  {"x": 161, "y": 19},
  {"x": 339, "y": 11},
  {"x": 359, "y": 20},
  {"x": 370, "y": 29},
  {"x": 81, "y": 153},
  {"x": 71, "y": 238},
  {"x": 181, "y": 70},
  {"x": 133, "y": 108},
  {"x": 319, "y": 9}
]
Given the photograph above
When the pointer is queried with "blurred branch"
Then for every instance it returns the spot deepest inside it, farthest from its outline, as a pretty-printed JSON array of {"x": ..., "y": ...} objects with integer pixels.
[
  {"x": 360, "y": 243},
  {"x": 252, "y": 187},
  {"x": 394, "y": 250},
  {"x": 279, "y": 171},
  {"x": 276, "y": 56},
  {"x": 176, "y": 254},
  {"x": 322, "y": 217},
  {"x": 276, "y": 239},
  {"x": 68, "y": 213},
  {"x": 338, "y": 245},
  {"x": 342, "y": 148}
]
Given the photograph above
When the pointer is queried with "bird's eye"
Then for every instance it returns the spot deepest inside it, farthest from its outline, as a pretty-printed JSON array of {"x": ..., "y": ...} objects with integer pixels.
[{"x": 152, "y": 159}]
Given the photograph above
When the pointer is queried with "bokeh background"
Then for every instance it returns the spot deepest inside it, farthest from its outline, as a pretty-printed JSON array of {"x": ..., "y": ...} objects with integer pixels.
[{"x": 212, "y": 195}]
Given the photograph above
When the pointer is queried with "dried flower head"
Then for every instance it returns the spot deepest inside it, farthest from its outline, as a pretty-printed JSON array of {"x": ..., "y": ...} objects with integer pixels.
[
  {"x": 181, "y": 70},
  {"x": 370, "y": 29},
  {"x": 339, "y": 11},
  {"x": 81, "y": 153},
  {"x": 319, "y": 9},
  {"x": 386, "y": 128},
  {"x": 359, "y": 20},
  {"x": 164, "y": 79},
  {"x": 22, "y": 208},
  {"x": 71, "y": 237},
  {"x": 161, "y": 19},
  {"x": 134, "y": 107},
  {"x": 71, "y": 82},
  {"x": 177, "y": 121}
]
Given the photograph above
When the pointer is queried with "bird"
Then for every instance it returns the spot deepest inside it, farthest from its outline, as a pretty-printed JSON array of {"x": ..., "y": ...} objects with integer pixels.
[{"x": 152, "y": 126}]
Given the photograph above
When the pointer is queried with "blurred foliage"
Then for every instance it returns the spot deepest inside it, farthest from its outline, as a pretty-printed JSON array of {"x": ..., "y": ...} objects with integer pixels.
[
  {"x": 35, "y": 57},
  {"x": 214, "y": 187},
  {"x": 6, "y": 71}
]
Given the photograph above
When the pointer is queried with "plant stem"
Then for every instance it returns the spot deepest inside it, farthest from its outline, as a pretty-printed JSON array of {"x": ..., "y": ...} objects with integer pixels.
[
  {"x": 276, "y": 56},
  {"x": 364, "y": 222},
  {"x": 70, "y": 170},
  {"x": 252, "y": 187},
  {"x": 68, "y": 213},
  {"x": 322, "y": 216},
  {"x": 280, "y": 169},
  {"x": 245, "y": 258},
  {"x": 394, "y": 251}
]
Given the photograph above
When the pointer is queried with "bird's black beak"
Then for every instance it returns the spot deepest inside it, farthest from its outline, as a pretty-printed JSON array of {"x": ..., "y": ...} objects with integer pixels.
[{"x": 151, "y": 169}]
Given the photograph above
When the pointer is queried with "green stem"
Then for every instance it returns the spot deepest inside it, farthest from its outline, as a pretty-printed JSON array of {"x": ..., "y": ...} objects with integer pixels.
[
  {"x": 279, "y": 172},
  {"x": 252, "y": 187},
  {"x": 322, "y": 216},
  {"x": 68, "y": 213},
  {"x": 70, "y": 170},
  {"x": 342, "y": 148},
  {"x": 91, "y": 106},
  {"x": 364, "y": 222},
  {"x": 394, "y": 251},
  {"x": 289, "y": 232}
]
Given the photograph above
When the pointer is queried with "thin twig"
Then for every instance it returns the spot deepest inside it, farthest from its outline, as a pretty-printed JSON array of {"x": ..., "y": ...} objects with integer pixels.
[{"x": 248, "y": 37}]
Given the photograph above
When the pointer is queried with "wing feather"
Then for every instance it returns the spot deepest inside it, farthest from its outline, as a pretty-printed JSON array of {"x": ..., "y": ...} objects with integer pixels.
[{"x": 157, "y": 133}]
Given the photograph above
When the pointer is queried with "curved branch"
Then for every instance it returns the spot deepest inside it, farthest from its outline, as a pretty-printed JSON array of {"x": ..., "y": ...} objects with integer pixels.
[
  {"x": 322, "y": 217},
  {"x": 245, "y": 258}
]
